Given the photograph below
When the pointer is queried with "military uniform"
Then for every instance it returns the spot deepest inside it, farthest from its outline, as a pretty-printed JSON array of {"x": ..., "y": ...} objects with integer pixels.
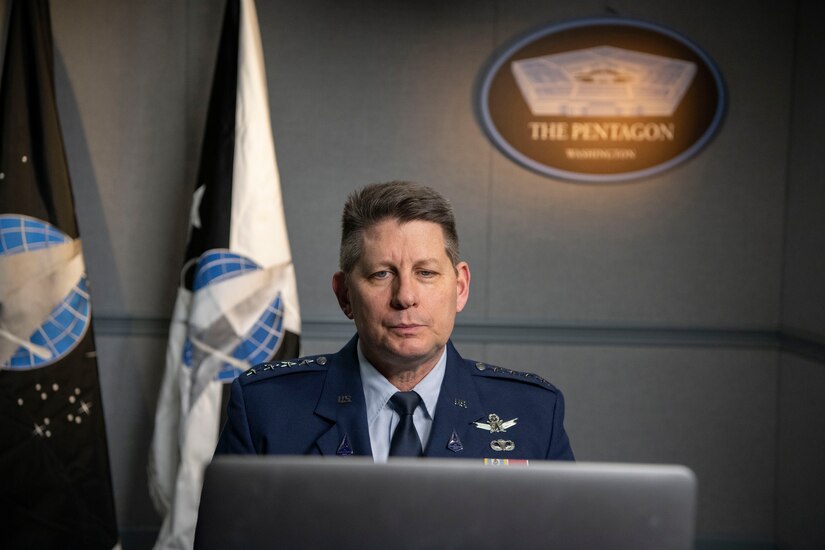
[{"x": 315, "y": 405}]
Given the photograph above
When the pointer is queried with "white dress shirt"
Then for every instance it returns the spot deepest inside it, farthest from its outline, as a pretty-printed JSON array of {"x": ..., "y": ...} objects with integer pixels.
[{"x": 382, "y": 419}]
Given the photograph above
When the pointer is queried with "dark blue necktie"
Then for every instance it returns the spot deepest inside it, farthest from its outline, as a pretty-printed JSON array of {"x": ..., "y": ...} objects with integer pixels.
[{"x": 405, "y": 441}]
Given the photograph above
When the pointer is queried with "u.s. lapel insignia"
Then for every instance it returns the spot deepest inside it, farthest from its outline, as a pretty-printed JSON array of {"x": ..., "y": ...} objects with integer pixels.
[
  {"x": 344, "y": 399},
  {"x": 344, "y": 448},
  {"x": 495, "y": 424},
  {"x": 458, "y": 402},
  {"x": 455, "y": 443}
]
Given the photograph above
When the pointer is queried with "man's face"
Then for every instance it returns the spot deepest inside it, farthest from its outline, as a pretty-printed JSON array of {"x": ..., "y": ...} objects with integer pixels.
[{"x": 403, "y": 293}]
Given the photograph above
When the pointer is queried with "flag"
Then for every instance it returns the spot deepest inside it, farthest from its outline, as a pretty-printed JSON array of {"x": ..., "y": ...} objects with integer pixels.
[
  {"x": 55, "y": 486},
  {"x": 237, "y": 304}
]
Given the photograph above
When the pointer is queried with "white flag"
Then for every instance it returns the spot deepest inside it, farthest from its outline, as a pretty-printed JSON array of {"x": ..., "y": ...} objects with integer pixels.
[{"x": 237, "y": 304}]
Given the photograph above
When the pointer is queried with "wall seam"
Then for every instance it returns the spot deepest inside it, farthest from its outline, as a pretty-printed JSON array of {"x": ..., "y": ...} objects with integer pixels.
[
  {"x": 490, "y": 184},
  {"x": 787, "y": 343},
  {"x": 490, "y": 180},
  {"x": 531, "y": 333}
]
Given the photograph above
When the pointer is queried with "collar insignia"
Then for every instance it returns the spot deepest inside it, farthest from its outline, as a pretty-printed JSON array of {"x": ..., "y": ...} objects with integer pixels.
[
  {"x": 344, "y": 448},
  {"x": 455, "y": 443}
]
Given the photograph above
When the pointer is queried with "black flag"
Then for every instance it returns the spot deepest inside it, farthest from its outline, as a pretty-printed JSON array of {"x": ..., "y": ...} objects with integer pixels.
[{"x": 55, "y": 485}]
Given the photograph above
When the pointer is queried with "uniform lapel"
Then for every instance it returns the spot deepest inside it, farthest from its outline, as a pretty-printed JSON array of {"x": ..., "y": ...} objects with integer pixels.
[
  {"x": 458, "y": 406},
  {"x": 342, "y": 403}
]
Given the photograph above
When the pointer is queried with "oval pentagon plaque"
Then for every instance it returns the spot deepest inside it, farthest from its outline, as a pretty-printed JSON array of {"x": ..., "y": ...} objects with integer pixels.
[{"x": 601, "y": 100}]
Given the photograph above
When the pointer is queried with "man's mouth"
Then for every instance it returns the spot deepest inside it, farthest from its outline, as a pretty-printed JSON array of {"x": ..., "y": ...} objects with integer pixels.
[{"x": 405, "y": 327}]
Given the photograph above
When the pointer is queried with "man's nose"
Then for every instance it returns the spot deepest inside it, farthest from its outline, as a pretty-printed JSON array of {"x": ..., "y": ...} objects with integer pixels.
[{"x": 405, "y": 293}]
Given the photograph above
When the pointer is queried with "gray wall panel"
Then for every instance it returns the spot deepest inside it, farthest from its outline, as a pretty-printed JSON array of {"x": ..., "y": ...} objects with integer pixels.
[
  {"x": 801, "y": 488},
  {"x": 321, "y": 346},
  {"x": 801, "y": 447},
  {"x": 121, "y": 94},
  {"x": 371, "y": 92},
  {"x": 804, "y": 289},
  {"x": 130, "y": 376},
  {"x": 712, "y": 410},
  {"x": 698, "y": 245}
]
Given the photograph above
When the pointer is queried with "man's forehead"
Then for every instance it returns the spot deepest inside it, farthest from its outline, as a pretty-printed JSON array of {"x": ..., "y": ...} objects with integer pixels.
[
  {"x": 420, "y": 238},
  {"x": 392, "y": 226}
]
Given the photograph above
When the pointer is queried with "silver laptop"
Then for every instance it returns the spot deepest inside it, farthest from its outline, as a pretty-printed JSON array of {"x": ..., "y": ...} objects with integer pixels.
[{"x": 251, "y": 502}]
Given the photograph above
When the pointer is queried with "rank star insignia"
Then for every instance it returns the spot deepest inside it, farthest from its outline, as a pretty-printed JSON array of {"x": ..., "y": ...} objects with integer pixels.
[{"x": 494, "y": 424}]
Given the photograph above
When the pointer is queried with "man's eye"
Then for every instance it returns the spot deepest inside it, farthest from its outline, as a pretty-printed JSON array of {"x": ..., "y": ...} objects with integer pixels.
[
  {"x": 380, "y": 274},
  {"x": 427, "y": 274}
]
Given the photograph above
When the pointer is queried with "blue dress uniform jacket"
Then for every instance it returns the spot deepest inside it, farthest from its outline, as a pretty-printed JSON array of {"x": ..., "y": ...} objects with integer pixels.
[{"x": 316, "y": 405}]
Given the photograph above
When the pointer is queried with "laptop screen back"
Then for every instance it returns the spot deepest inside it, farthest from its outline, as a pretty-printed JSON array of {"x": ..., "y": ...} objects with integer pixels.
[{"x": 253, "y": 502}]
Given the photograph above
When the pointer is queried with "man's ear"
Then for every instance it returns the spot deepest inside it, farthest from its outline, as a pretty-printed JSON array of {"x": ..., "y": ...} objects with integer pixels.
[
  {"x": 341, "y": 290},
  {"x": 463, "y": 285}
]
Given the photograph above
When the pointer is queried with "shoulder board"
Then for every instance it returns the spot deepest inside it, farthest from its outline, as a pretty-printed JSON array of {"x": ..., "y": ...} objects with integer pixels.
[
  {"x": 276, "y": 368},
  {"x": 499, "y": 372}
]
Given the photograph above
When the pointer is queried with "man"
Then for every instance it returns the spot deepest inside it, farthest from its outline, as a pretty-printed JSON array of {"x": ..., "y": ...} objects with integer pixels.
[{"x": 399, "y": 387}]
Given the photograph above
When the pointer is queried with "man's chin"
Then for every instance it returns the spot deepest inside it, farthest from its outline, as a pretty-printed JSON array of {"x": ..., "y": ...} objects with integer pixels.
[{"x": 411, "y": 354}]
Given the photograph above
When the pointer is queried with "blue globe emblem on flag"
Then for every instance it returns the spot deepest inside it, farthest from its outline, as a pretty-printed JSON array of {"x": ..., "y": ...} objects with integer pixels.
[
  {"x": 261, "y": 342},
  {"x": 68, "y": 321}
]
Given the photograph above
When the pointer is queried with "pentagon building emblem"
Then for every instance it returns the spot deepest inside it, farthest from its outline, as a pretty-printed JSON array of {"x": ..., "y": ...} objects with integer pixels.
[
  {"x": 601, "y": 100},
  {"x": 603, "y": 81}
]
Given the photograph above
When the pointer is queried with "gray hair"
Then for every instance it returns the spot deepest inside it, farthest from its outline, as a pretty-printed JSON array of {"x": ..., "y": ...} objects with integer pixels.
[{"x": 396, "y": 200}]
